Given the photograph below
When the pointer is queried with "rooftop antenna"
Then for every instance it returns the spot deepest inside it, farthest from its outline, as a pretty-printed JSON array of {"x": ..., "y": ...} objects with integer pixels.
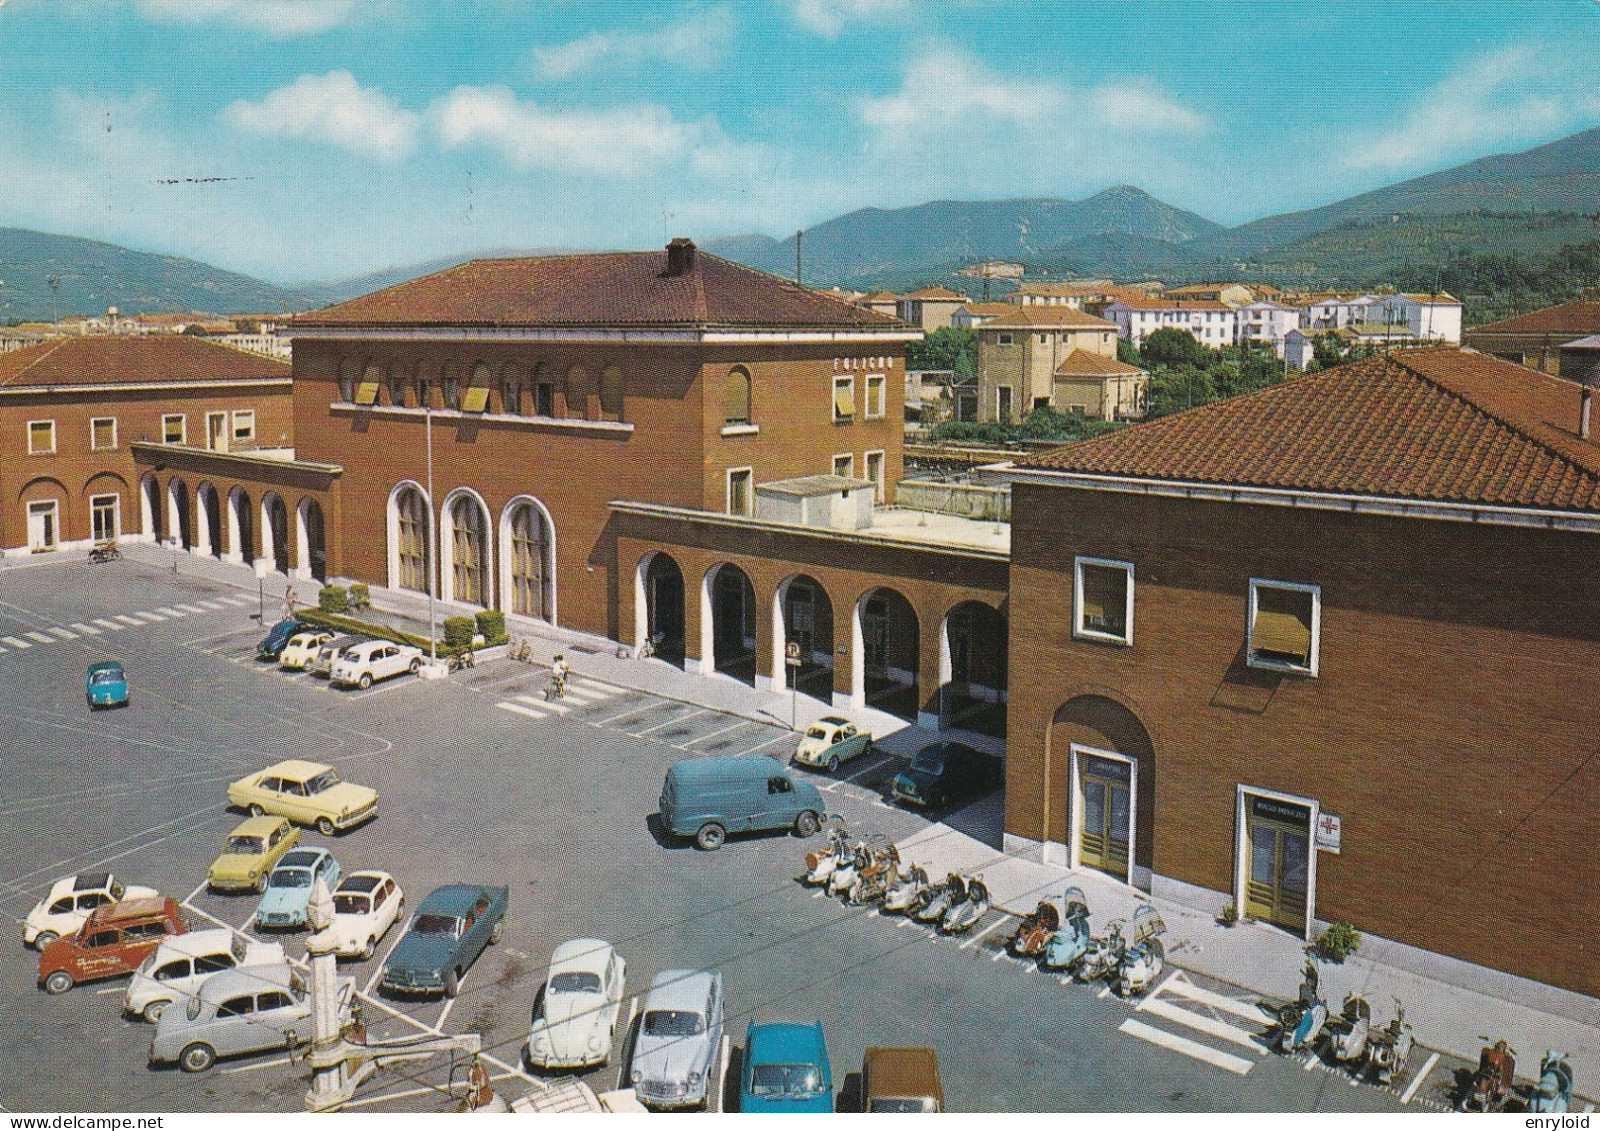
[{"x": 798, "y": 236}]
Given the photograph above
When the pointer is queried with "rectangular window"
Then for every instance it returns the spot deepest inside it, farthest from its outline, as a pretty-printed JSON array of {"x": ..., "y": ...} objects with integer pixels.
[
  {"x": 544, "y": 399},
  {"x": 1102, "y": 607},
  {"x": 244, "y": 424},
  {"x": 875, "y": 385},
  {"x": 1285, "y": 626},
  {"x": 875, "y": 473},
  {"x": 1003, "y": 339},
  {"x": 1002, "y": 404},
  {"x": 845, "y": 466},
  {"x": 103, "y": 516},
  {"x": 739, "y": 494},
  {"x": 844, "y": 398},
  {"x": 41, "y": 437},
  {"x": 611, "y": 393},
  {"x": 103, "y": 433},
  {"x": 217, "y": 431},
  {"x": 173, "y": 428}
]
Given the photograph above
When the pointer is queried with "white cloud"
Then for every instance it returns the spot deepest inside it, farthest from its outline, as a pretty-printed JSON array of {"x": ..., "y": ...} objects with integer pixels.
[
  {"x": 829, "y": 17},
  {"x": 333, "y": 109},
  {"x": 1507, "y": 95},
  {"x": 698, "y": 41},
  {"x": 278, "y": 18}
]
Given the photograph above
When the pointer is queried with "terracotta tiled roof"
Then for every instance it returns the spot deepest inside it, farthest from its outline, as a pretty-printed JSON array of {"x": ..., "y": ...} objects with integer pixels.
[
  {"x": 1568, "y": 318},
  {"x": 1082, "y": 363},
  {"x": 112, "y": 359},
  {"x": 610, "y": 289},
  {"x": 938, "y": 293},
  {"x": 1066, "y": 290},
  {"x": 1433, "y": 424},
  {"x": 993, "y": 309},
  {"x": 1049, "y": 316}
]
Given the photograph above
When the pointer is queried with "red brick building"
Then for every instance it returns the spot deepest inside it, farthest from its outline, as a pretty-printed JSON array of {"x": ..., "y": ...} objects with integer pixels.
[
  {"x": 1535, "y": 339},
  {"x": 1327, "y": 651}
]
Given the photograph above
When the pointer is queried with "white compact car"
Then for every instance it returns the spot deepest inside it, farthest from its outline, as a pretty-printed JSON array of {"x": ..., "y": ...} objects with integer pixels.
[
  {"x": 69, "y": 903},
  {"x": 177, "y": 969},
  {"x": 576, "y": 1015},
  {"x": 365, "y": 906},
  {"x": 302, "y": 648},
  {"x": 362, "y": 665}
]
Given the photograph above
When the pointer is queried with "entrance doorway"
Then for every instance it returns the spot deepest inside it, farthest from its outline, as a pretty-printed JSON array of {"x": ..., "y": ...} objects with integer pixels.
[
  {"x": 1277, "y": 882},
  {"x": 42, "y": 526},
  {"x": 217, "y": 431},
  {"x": 661, "y": 593},
  {"x": 1105, "y": 812}
]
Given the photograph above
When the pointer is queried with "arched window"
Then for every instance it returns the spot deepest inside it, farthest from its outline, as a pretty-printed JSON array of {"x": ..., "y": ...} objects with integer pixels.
[
  {"x": 412, "y": 510},
  {"x": 467, "y": 539},
  {"x": 451, "y": 387},
  {"x": 397, "y": 385},
  {"x": 577, "y": 392},
  {"x": 510, "y": 390},
  {"x": 738, "y": 396},
  {"x": 347, "y": 380},
  {"x": 530, "y": 546},
  {"x": 611, "y": 393}
]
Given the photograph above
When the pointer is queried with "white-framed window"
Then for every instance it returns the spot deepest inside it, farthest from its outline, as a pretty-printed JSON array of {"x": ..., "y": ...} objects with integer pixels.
[
  {"x": 740, "y": 496},
  {"x": 844, "y": 398},
  {"x": 103, "y": 433},
  {"x": 105, "y": 517},
  {"x": 244, "y": 424},
  {"x": 875, "y": 473},
  {"x": 41, "y": 437},
  {"x": 1002, "y": 339},
  {"x": 875, "y": 388},
  {"x": 174, "y": 428},
  {"x": 217, "y": 431},
  {"x": 845, "y": 465},
  {"x": 1285, "y": 628},
  {"x": 1102, "y": 600}
]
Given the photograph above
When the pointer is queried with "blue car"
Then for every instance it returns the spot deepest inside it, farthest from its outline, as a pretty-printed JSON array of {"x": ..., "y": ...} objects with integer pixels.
[
  {"x": 785, "y": 1068},
  {"x": 451, "y": 928},
  {"x": 283, "y": 904},
  {"x": 271, "y": 647},
  {"x": 106, "y": 685}
]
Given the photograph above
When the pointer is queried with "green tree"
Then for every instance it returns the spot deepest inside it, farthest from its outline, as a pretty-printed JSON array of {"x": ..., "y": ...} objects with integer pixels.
[
  {"x": 948, "y": 347},
  {"x": 1128, "y": 353},
  {"x": 1171, "y": 346},
  {"x": 194, "y": 329}
]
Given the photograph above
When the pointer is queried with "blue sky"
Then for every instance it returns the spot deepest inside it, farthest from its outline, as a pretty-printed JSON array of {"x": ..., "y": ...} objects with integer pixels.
[{"x": 302, "y": 140}]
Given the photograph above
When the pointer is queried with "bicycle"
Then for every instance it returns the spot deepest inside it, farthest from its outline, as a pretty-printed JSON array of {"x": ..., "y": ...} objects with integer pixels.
[
  {"x": 463, "y": 659},
  {"x": 555, "y": 688},
  {"x": 105, "y": 552},
  {"x": 520, "y": 650}
]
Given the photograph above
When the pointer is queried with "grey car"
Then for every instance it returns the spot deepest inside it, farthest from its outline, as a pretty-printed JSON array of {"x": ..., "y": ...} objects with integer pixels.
[
  {"x": 251, "y": 1009},
  {"x": 679, "y": 1035}
]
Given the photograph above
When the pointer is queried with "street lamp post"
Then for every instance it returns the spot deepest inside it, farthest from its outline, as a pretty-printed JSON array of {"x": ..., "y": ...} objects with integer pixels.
[{"x": 433, "y": 632}]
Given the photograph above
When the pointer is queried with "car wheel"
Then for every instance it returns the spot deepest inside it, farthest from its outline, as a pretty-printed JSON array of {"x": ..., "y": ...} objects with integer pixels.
[
  {"x": 366, "y": 952},
  {"x": 806, "y": 824},
  {"x": 58, "y": 983},
  {"x": 261, "y": 884},
  {"x": 452, "y": 984},
  {"x": 365, "y": 681},
  {"x": 197, "y": 1057},
  {"x": 325, "y": 826},
  {"x": 153, "y": 1011},
  {"x": 257, "y": 811},
  {"x": 833, "y": 764},
  {"x": 416, "y": 665},
  {"x": 44, "y": 939},
  {"x": 710, "y": 836},
  {"x": 499, "y": 927}
]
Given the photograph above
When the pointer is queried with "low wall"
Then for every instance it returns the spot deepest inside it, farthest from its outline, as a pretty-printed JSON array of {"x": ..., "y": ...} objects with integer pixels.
[{"x": 992, "y": 504}]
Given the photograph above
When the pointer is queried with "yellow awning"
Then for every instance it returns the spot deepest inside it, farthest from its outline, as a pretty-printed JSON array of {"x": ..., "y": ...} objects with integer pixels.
[
  {"x": 367, "y": 392},
  {"x": 844, "y": 400},
  {"x": 1283, "y": 633},
  {"x": 475, "y": 399}
]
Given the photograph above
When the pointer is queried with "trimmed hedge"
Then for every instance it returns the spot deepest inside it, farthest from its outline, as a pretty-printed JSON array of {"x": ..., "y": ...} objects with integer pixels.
[
  {"x": 360, "y": 595},
  {"x": 458, "y": 632},
  {"x": 492, "y": 623},
  {"x": 365, "y": 628},
  {"x": 333, "y": 599}
]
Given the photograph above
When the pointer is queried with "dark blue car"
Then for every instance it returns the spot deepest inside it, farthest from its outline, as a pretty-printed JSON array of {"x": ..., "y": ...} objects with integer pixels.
[
  {"x": 785, "y": 1068},
  {"x": 106, "y": 685},
  {"x": 271, "y": 647},
  {"x": 451, "y": 928}
]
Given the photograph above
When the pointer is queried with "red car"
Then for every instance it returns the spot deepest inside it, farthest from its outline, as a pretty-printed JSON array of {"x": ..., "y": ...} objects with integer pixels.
[{"x": 114, "y": 940}]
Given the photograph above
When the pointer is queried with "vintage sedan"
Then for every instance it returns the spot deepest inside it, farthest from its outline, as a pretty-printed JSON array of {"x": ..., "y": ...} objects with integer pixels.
[
  {"x": 830, "y": 741},
  {"x": 308, "y": 793},
  {"x": 451, "y": 928},
  {"x": 785, "y": 1069},
  {"x": 681, "y": 1030},
  {"x": 944, "y": 771},
  {"x": 183, "y": 963},
  {"x": 364, "y": 664},
  {"x": 279, "y": 635},
  {"x": 113, "y": 940},
  {"x": 365, "y": 906},
  {"x": 250, "y": 853},
  {"x": 283, "y": 904},
  {"x": 901, "y": 1080},
  {"x": 575, "y": 1016},
  {"x": 105, "y": 684},
  {"x": 69, "y": 903},
  {"x": 322, "y": 663},
  {"x": 240, "y": 1011},
  {"x": 302, "y": 647}
]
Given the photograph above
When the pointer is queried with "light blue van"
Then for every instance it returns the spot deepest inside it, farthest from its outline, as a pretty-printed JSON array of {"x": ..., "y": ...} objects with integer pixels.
[{"x": 708, "y": 798}]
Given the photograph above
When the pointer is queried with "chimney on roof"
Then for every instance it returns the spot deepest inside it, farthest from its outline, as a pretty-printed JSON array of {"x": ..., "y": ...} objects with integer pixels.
[
  {"x": 680, "y": 257},
  {"x": 1585, "y": 403}
]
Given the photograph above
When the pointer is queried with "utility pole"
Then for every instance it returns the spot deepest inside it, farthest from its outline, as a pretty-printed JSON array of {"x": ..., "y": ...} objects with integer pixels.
[{"x": 798, "y": 236}]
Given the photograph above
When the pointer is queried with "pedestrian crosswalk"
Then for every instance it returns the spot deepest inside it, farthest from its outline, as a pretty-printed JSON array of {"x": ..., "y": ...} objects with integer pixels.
[
  {"x": 586, "y": 694},
  {"x": 1188, "y": 1010},
  {"x": 115, "y": 622}
]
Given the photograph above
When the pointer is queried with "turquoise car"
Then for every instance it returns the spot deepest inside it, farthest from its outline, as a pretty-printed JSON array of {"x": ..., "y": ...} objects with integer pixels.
[
  {"x": 106, "y": 685},
  {"x": 785, "y": 1069},
  {"x": 289, "y": 885}
]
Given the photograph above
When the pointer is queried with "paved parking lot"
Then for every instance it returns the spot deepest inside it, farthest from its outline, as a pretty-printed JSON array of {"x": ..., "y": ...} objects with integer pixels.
[{"x": 482, "y": 779}]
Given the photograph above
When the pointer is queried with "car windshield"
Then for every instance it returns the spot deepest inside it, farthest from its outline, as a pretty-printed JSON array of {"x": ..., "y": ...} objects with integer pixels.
[
  {"x": 797, "y": 1080},
  {"x": 246, "y": 845},
  {"x": 903, "y": 1104},
  {"x": 290, "y": 878},
  {"x": 818, "y": 732},
  {"x": 673, "y": 1023},
  {"x": 349, "y": 904},
  {"x": 106, "y": 675},
  {"x": 435, "y": 925},
  {"x": 575, "y": 982},
  {"x": 930, "y": 760},
  {"x": 327, "y": 779}
]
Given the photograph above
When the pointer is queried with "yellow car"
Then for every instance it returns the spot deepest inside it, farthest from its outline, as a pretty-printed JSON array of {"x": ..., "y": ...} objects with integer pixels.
[
  {"x": 308, "y": 793},
  {"x": 252, "y": 849}
]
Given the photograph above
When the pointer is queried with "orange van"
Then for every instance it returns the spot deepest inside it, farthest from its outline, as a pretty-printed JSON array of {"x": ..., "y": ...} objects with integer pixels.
[{"x": 113, "y": 941}]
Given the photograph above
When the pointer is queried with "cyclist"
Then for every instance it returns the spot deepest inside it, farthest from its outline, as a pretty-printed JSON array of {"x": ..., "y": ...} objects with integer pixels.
[{"x": 558, "y": 675}]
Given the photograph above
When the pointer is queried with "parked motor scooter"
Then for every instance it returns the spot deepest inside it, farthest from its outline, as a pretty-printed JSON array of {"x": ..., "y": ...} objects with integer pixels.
[
  {"x": 1034, "y": 932},
  {"x": 1491, "y": 1083},
  {"x": 1103, "y": 954},
  {"x": 1552, "y": 1095},
  {"x": 907, "y": 892},
  {"x": 1389, "y": 1048},
  {"x": 1302, "y": 1021},
  {"x": 953, "y": 890},
  {"x": 821, "y": 862},
  {"x": 1072, "y": 939},
  {"x": 845, "y": 873},
  {"x": 1146, "y": 955},
  {"x": 964, "y": 915},
  {"x": 872, "y": 882},
  {"x": 1348, "y": 1035}
]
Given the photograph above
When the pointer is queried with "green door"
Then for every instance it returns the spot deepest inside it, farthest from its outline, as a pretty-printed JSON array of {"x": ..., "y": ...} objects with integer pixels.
[{"x": 1280, "y": 855}]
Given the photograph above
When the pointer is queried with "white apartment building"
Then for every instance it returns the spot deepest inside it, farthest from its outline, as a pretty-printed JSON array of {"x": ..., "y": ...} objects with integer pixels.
[
  {"x": 1268, "y": 322},
  {"x": 1429, "y": 318},
  {"x": 1212, "y": 323}
]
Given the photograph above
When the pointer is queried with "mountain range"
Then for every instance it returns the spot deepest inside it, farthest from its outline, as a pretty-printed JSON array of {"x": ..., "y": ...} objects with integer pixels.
[{"x": 1536, "y": 200}]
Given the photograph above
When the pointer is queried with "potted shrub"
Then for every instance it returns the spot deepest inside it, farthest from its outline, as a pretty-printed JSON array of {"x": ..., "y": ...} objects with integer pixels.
[
  {"x": 1229, "y": 916},
  {"x": 1338, "y": 942}
]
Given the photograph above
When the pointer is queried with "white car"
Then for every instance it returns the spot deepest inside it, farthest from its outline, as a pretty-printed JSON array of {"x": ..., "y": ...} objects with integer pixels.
[
  {"x": 322, "y": 662},
  {"x": 302, "y": 648},
  {"x": 69, "y": 903},
  {"x": 575, "y": 1018},
  {"x": 361, "y": 665},
  {"x": 365, "y": 906},
  {"x": 177, "y": 969}
]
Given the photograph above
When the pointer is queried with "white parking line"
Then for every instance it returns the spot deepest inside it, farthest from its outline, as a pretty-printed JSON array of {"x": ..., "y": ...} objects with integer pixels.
[
  {"x": 670, "y": 722},
  {"x": 976, "y": 939},
  {"x": 724, "y": 730},
  {"x": 39, "y": 637},
  {"x": 625, "y": 714},
  {"x": 1226, "y": 1061},
  {"x": 1417, "y": 1080},
  {"x": 86, "y": 629},
  {"x": 111, "y": 990},
  {"x": 126, "y": 619},
  {"x": 111, "y": 624},
  {"x": 1181, "y": 986},
  {"x": 192, "y": 608},
  {"x": 254, "y": 1067},
  {"x": 171, "y": 612},
  {"x": 213, "y": 605},
  {"x": 63, "y": 633},
  {"x": 150, "y": 618},
  {"x": 234, "y": 600},
  {"x": 1209, "y": 1025},
  {"x": 15, "y": 643},
  {"x": 450, "y": 1002}
]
